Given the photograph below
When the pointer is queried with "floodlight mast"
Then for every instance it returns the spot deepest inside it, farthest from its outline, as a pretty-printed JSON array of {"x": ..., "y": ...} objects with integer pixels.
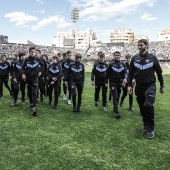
[{"x": 74, "y": 17}]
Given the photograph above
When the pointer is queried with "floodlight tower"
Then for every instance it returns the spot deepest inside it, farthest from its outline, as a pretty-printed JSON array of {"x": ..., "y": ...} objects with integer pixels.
[{"x": 74, "y": 17}]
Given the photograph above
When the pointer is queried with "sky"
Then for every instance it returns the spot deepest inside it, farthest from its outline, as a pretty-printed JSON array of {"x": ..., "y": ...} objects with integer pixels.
[{"x": 40, "y": 20}]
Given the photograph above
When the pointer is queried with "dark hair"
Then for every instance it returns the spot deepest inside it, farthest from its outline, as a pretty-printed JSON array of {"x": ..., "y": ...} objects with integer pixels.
[
  {"x": 68, "y": 52},
  {"x": 38, "y": 50},
  {"x": 101, "y": 55},
  {"x": 78, "y": 55},
  {"x": 64, "y": 54},
  {"x": 31, "y": 48},
  {"x": 127, "y": 56},
  {"x": 3, "y": 55},
  {"x": 145, "y": 41},
  {"x": 116, "y": 52},
  {"x": 21, "y": 54},
  {"x": 56, "y": 57},
  {"x": 45, "y": 55}
]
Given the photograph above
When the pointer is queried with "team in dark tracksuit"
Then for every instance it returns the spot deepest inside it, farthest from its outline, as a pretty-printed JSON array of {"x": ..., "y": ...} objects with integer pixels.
[
  {"x": 32, "y": 70},
  {"x": 76, "y": 77},
  {"x": 98, "y": 77},
  {"x": 54, "y": 72},
  {"x": 4, "y": 75},
  {"x": 142, "y": 68},
  {"x": 65, "y": 66},
  {"x": 19, "y": 83},
  {"x": 127, "y": 65},
  {"x": 116, "y": 75}
]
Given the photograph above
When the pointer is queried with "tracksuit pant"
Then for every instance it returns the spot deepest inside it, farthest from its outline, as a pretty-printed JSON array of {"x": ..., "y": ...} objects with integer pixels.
[{"x": 146, "y": 98}]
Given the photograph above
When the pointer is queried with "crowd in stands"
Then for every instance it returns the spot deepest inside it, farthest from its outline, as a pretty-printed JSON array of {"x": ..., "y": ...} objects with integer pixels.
[{"x": 159, "y": 48}]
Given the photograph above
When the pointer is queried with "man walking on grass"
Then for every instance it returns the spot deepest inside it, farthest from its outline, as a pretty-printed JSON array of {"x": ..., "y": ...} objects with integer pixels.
[{"x": 142, "y": 68}]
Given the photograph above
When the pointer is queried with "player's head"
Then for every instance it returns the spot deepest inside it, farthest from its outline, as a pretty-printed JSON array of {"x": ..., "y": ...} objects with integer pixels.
[
  {"x": 143, "y": 46},
  {"x": 22, "y": 56},
  {"x": 78, "y": 57},
  {"x": 55, "y": 58},
  {"x": 116, "y": 55},
  {"x": 127, "y": 57},
  {"x": 68, "y": 54},
  {"x": 101, "y": 57},
  {"x": 32, "y": 51}
]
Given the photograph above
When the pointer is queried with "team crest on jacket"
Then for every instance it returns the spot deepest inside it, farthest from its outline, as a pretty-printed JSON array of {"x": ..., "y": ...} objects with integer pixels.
[{"x": 147, "y": 61}]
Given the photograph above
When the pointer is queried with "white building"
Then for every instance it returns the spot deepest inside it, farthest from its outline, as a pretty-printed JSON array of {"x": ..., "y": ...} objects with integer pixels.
[
  {"x": 122, "y": 35},
  {"x": 138, "y": 37},
  {"x": 83, "y": 39},
  {"x": 164, "y": 35}
]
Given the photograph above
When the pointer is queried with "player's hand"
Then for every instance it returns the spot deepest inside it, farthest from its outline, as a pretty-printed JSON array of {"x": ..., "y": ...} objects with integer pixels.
[
  {"x": 106, "y": 84},
  {"x": 162, "y": 89},
  {"x": 92, "y": 83},
  {"x": 133, "y": 82},
  {"x": 39, "y": 74},
  {"x": 54, "y": 78},
  {"x": 66, "y": 83},
  {"x": 52, "y": 83},
  {"x": 24, "y": 77},
  {"x": 10, "y": 77},
  {"x": 124, "y": 81},
  {"x": 129, "y": 89},
  {"x": 15, "y": 80}
]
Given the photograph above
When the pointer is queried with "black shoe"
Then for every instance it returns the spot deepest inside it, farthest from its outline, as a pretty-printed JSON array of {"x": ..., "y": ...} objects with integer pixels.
[
  {"x": 150, "y": 134},
  {"x": 55, "y": 108},
  {"x": 74, "y": 109},
  {"x": 131, "y": 109},
  {"x": 34, "y": 113},
  {"x": 117, "y": 115},
  {"x": 14, "y": 103},
  {"x": 143, "y": 132},
  {"x": 121, "y": 104},
  {"x": 96, "y": 104},
  {"x": 78, "y": 109}
]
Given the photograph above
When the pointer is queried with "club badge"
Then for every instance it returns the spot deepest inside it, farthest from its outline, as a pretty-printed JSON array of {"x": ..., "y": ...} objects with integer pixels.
[{"x": 147, "y": 61}]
